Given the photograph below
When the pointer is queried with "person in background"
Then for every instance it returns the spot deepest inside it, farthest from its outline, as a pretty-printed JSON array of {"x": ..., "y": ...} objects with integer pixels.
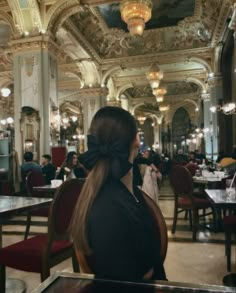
[
  {"x": 191, "y": 157},
  {"x": 29, "y": 165},
  {"x": 71, "y": 168},
  {"x": 181, "y": 158},
  {"x": 112, "y": 222},
  {"x": 47, "y": 168}
]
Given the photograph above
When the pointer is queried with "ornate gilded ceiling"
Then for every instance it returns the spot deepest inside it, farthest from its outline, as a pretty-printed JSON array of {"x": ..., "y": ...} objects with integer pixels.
[
  {"x": 111, "y": 41},
  {"x": 184, "y": 37}
]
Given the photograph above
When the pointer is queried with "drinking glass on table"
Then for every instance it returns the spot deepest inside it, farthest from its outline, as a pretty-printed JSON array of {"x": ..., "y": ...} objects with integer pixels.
[{"x": 230, "y": 189}]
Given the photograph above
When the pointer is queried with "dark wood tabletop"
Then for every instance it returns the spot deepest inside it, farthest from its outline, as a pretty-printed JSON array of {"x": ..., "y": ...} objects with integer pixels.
[
  {"x": 82, "y": 283},
  {"x": 12, "y": 205}
]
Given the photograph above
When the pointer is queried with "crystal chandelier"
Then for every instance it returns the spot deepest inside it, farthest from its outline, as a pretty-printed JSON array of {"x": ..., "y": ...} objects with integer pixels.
[
  {"x": 154, "y": 76},
  {"x": 141, "y": 119},
  {"x": 136, "y": 13},
  {"x": 159, "y": 94}
]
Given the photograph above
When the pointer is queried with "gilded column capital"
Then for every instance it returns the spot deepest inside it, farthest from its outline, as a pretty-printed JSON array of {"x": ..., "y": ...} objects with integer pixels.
[
  {"x": 93, "y": 92},
  {"x": 206, "y": 97},
  {"x": 114, "y": 103},
  {"x": 215, "y": 81},
  {"x": 42, "y": 42}
]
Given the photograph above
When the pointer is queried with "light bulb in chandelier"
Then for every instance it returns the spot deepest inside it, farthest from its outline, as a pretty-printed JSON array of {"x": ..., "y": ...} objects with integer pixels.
[
  {"x": 154, "y": 76},
  {"x": 159, "y": 91},
  {"x": 159, "y": 99}
]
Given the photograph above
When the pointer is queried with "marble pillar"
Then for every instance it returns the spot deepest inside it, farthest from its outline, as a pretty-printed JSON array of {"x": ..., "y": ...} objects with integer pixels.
[
  {"x": 92, "y": 100},
  {"x": 207, "y": 115},
  {"x": 216, "y": 94},
  {"x": 35, "y": 86}
]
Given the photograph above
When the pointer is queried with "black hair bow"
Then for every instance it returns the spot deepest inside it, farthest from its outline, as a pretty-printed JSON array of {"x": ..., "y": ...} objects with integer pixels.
[{"x": 117, "y": 153}]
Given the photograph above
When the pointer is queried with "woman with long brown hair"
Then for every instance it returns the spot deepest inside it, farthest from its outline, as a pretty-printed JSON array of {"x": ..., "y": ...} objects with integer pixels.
[{"x": 112, "y": 222}]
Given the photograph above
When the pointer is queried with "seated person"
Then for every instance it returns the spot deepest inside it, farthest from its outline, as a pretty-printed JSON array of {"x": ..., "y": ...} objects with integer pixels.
[
  {"x": 29, "y": 165},
  {"x": 112, "y": 222},
  {"x": 71, "y": 168},
  {"x": 47, "y": 168},
  {"x": 180, "y": 158}
]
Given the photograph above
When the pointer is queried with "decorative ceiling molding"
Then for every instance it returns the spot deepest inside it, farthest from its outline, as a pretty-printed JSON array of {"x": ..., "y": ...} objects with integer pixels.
[
  {"x": 9, "y": 20},
  {"x": 220, "y": 28},
  {"x": 204, "y": 53},
  {"x": 70, "y": 27},
  {"x": 58, "y": 13},
  {"x": 197, "y": 76}
]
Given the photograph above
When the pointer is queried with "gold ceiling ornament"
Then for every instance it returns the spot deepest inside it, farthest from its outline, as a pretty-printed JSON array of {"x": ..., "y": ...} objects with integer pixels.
[
  {"x": 141, "y": 119},
  {"x": 136, "y": 13},
  {"x": 154, "y": 76},
  {"x": 164, "y": 108}
]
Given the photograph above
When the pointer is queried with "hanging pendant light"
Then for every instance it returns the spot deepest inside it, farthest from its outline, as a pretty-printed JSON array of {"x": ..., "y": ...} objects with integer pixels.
[
  {"x": 154, "y": 76},
  {"x": 136, "y": 13}
]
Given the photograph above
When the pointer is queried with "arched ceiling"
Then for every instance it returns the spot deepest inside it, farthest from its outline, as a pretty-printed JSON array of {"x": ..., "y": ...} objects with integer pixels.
[{"x": 96, "y": 49}]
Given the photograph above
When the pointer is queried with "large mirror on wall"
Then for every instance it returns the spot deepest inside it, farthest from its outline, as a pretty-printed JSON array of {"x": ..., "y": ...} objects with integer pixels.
[{"x": 30, "y": 131}]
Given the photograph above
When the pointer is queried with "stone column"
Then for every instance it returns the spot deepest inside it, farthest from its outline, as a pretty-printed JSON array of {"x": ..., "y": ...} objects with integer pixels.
[
  {"x": 207, "y": 124},
  {"x": 216, "y": 94},
  {"x": 232, "y": 26},
  {"x": 35, "y": 86},
  {"x": 234, "y": 91},
  {"x": 92, "y": 100}
]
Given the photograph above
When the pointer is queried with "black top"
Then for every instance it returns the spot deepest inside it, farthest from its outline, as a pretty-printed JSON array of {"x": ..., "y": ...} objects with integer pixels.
[
  {"x": 137, "y": 178},
  {"x": 49, "y": 171},
  {"x": 122, "y": 235}
]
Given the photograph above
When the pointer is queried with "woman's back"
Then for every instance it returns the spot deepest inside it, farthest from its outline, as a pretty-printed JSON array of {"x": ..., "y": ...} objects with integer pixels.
[{"x": 132, "y": 247}]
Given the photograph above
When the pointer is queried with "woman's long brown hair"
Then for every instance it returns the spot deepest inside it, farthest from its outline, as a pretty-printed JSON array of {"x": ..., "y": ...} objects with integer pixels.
[{"x": 108, "y": 125}]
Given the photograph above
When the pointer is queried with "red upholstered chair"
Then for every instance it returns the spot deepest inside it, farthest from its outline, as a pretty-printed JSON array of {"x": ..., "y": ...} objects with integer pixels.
[
  {"x": 33, "y": 179},
  {"x": 230, "y": 228},
  {"x": 40, "y": 253},
  {"x": 192, "y": 168},
  {"x": 182, "y": 183}
]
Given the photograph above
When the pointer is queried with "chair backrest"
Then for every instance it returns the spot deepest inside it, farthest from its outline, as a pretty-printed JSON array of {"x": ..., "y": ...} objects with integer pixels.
[
  {"x": 192, "y": 168},
  {"x": 86, "y": 263},
  {"x": 33, "y": 179},
  {"x": 62, "y": 208},
  {"x": 181, "y": 181},
  {"x": 160, "y": 224}
]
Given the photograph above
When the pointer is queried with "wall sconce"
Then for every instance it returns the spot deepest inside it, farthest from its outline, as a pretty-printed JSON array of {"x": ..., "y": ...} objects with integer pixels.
[
  {"x": 28, "y": 145},
  {"x": 227, "y": 109}
]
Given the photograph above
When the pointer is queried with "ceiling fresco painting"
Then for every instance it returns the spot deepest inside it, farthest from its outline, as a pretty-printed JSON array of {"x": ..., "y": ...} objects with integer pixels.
[
  {"x": 165, "y": 13},
  {"x": 111, "y": 41}
]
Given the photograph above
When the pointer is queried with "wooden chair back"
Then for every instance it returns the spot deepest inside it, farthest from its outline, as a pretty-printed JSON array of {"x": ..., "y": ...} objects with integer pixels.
[
  {"x": 33, "y": 179},
  {"x": 182, "y": 182}
]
